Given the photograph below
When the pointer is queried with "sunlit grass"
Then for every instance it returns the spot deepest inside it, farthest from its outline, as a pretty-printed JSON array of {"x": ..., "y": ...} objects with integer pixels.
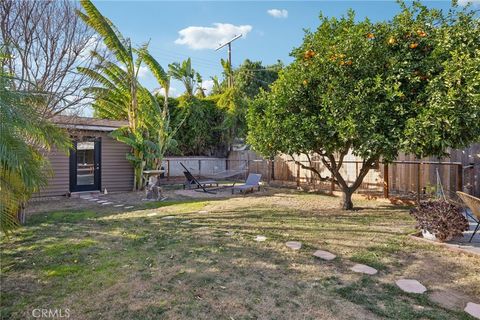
[{"x": 137, "y": 264}]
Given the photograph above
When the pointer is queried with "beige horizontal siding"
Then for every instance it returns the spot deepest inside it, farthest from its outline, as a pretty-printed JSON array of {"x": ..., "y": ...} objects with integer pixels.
[
  {"x": 59, "y": 182},
  {"x": 117, "y": 171}
]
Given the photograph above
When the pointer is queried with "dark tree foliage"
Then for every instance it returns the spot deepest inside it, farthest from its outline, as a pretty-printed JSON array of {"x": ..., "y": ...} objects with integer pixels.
[{"x": 251, "y": 76}]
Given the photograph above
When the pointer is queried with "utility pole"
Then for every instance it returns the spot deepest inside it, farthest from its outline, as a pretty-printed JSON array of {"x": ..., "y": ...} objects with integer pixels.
[{"x": 229, "y": 44}]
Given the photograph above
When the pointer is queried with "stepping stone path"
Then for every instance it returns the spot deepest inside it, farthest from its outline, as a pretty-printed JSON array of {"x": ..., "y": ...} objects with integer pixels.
[
  {"x": 260, "y": 238},
  {"x": 325, "y": 255},
  {"x": 168, "y": 217},
  {"x": 294, "y": 245},
  {"x": 361, "y": 268},
  {"x": 473, "y": 309},
  {"x": 411, "y": 286}
]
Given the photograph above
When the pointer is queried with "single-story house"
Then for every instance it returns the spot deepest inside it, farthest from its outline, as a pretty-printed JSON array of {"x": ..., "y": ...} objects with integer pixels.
[{"x": 96, "y": 161}]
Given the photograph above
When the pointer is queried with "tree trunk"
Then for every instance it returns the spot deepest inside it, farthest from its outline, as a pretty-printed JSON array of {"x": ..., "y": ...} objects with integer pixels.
[{"x": 347, "y": 203}]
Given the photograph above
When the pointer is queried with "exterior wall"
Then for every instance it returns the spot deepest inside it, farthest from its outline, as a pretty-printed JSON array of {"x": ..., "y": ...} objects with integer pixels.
[
  {"x": 116, "y": 171},
  {"x": 59, "y": 183},
  {"x": 198, "y": 166}
]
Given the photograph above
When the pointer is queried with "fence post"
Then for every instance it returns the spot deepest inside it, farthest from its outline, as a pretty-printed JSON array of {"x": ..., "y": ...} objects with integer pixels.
[
  {"x": 272, "y": 167},
  {"x": 459, "y": 177},
  {"x": 332, "y": 185},
  {"x": 298, "y": 174},
  {"x": 168, "y": 169},
  {"x": 385, "y": 181},
  {"x": 418, "y": 182},
  {"x": 199, "y": 167}
]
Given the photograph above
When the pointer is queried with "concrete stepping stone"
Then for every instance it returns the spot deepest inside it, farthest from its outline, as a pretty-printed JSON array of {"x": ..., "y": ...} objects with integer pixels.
[
  {"x": 93, "y": 199},
  {"x": 105, "y": 203},
  {"x": 410, "y": 286},
  {"x": 325, "y": 255},
  {"x": 153, "y": 214},
  {"x": 119, "y": 205},
  {"x": 129, "y": 207},
  {"x": 473, "y": 309},
  {"x": 101, "y": 201},
  {"x": 361, "y": 268},
  {"x": 203, "y": 211},
  {"x": 294, "y": 245},
  {"x": 168, "y": 217},
  {"x": 260, "y": 238}
]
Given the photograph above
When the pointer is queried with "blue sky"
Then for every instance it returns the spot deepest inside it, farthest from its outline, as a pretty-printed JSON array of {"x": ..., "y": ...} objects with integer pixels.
[{"x": 269, "y": 36}]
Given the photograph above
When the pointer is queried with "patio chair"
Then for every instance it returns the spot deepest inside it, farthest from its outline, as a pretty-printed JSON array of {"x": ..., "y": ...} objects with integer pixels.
[
  {"x": 474, "y": 204},
  {"x": 191, "y": 181},
  {"x": 252, "y": 183}
]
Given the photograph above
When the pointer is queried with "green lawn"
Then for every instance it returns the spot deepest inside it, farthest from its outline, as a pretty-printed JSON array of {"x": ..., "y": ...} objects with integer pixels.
[{"x": 117, "y": 264}]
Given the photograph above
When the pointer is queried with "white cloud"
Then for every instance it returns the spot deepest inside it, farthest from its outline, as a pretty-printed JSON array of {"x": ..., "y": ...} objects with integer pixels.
[
  {"x": 144, "y": 72},
  {"x": 207, "y": 85},
  {"x": 210, "y": 37},
  {"x": 94, "y": 43},
  {"x": 173, "y": 92},
  {"x": 278, "y": 13},
  {"x": 466, "y": 2}
]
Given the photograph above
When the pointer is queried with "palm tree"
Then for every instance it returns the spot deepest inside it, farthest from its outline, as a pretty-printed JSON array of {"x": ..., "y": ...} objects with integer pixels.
[
  {"x": 121, "y": 96},
  {"x": 24, "y": 137},
  {"x": 185, "y": 73}
]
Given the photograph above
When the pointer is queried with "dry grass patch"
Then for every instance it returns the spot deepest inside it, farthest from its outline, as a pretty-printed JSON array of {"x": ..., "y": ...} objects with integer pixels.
[{"x": 121, "y": 264}]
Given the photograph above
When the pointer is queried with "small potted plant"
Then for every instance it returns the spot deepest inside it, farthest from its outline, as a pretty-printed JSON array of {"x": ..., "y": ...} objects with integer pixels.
[{"x": 440, "y": 220}]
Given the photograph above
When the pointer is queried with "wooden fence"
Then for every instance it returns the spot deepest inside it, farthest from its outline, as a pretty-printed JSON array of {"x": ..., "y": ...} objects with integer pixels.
[{"x": 404, "y": 176}]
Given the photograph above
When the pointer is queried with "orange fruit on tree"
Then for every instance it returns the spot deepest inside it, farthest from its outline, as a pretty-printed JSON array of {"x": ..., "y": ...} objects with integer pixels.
[
  {"x": 370, "y": 36},
  {"x": 421, "y": 33},
  {"x": 342, "y": 62},
  {"x": 305, "y": 82},
  {"x": 392, "y": 40},
  {"x": 309, "y": 54},
  {"x": 348, "y": 62},
  {"x": 413, "y": 45}
]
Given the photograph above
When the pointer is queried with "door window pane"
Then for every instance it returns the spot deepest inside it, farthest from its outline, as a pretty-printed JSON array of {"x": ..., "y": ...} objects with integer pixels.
[{"x": 85, "y": 163}]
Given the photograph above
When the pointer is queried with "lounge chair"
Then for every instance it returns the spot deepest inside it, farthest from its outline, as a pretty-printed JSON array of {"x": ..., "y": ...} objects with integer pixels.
[
  {"x": 252, "y": 183},
  {"x": 474, "y": 204},
  {"x": 191, "y": 181}
]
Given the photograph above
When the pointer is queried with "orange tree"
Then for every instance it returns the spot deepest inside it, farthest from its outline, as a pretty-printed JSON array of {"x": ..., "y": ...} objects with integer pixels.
[{"x": 410, "y": 84}]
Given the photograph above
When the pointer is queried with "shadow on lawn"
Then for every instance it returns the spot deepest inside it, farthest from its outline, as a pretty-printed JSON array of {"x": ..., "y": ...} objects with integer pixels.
[{"x": 145, "y": 267}]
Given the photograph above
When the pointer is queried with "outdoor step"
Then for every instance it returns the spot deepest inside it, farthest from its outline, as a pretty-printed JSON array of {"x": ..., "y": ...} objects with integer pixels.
[
  {"x": 325, "y": 255},
  {"x": 411, "y": 286},
  {"x": 260, "y": 238},
  {"x": 473, "y": 309},
  {"x": 84, "y": 193},
  {"x": 294, "y": 245},
  {"x": 361, "y": 268}
]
